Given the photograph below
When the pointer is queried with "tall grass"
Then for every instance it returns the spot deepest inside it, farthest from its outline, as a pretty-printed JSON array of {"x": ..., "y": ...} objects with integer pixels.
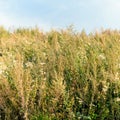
[{"x": 59, "y": 75}]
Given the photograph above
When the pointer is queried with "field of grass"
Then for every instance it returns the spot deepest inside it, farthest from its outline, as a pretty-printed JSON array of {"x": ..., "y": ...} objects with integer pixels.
[{"x": 59, "y": 75}]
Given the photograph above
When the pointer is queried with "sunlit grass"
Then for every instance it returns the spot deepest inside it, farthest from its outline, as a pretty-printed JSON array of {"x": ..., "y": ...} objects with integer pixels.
[{"x": 59, "y": 75}]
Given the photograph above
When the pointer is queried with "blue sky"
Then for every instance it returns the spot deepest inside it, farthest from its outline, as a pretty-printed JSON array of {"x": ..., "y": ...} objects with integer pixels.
[{"x": 46, "y": 14}]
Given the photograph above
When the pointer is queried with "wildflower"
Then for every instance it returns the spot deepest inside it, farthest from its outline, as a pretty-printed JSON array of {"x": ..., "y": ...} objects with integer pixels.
[
  {"x": 117, "y": 76},
  {"x": 118, "y": 99},
  {"x": 43, "y": 72},
  {"x": 1, "y": 71},
  {"x": 29, "y": 64},
  {"x": 105, "y": 88},
  {"x": 42, "y": 63},
  {"x": 2, "y": 67},
  {"x": 101, "y": 56}
]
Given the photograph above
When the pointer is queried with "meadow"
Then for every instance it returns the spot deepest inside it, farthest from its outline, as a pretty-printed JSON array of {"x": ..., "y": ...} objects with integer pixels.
[{"x": 59, "y": 75}]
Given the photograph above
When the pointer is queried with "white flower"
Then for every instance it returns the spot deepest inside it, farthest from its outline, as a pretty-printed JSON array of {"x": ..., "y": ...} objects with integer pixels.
[
  {"x": 42, "y": 63},
  {"x": 29, "y": 64},
  {"x": 105, "y": 88},
  {"x": 101, "y": 56},
  {"x": 117, "y": 76},
  {"x": 1, "y": 71},
  {"x": 118, "y": 99},
  {"x": 2, "y": 67}
]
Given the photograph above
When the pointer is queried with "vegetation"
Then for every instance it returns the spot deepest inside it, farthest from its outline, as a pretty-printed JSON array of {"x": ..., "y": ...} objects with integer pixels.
[{"x": 59, "y": 75}]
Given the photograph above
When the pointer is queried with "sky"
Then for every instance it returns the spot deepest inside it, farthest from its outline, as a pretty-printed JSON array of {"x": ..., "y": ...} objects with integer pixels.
[{"x": 89, "y": 15}]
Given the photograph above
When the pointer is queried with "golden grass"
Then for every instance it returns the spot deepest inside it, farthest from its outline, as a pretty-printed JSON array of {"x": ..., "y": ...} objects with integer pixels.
[{"x": 59, "y": 75}]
